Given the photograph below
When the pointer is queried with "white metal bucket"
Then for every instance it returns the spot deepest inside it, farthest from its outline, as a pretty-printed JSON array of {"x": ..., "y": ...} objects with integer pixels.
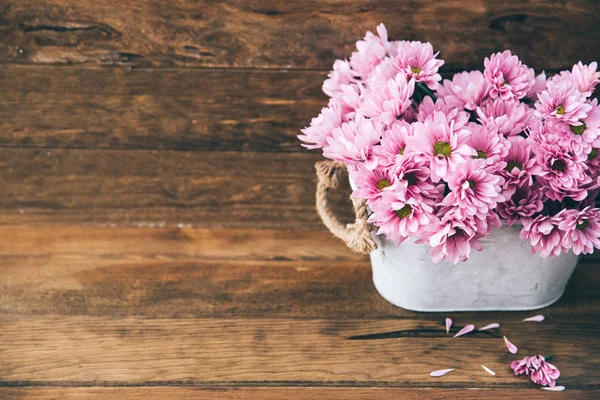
[{"x": 504, "y": 276}]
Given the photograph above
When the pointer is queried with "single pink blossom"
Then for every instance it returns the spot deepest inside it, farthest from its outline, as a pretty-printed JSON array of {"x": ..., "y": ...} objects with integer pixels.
[
  {"x": 342, "y": 74},
  {"x": 560, "y": 172},
  {"x": 353, "y": 142},
  {"x": 541, "y": 372},
  {"x": 321, "y": 128},
  {"x": 562, "y": 102},
  {"x": 371, "y": 50},
  {"x": 581, "y": 229},
  {"x": 473, "y": 189},
  {"x": 429, "y": 111},
  {"x": 545, "y": 236},
  {"x": 579, "y": 138},
  {"x": 387, "y": 103},
  {"x": 510, "y": 118},
  {"x": 466, "y": 89},
  {"x": 418, "y": 61},
  {"x": 519, "y": 164},
  {"x": 508, "y": 77},
  {"x": 451, "y": 237},
  {"x": 371, "y": 184},
  {"x": 393, "y": 143},
  {"x": 583, "y": 77},
  {"x": 436, "y": 143},
  {"x": 398, "y": 217},
  {"x": 413, "y": 181},
  {"x": 593, "y": 162},
  {"x": 525, "y": 202},
  {"x": 491, "y": 147}
]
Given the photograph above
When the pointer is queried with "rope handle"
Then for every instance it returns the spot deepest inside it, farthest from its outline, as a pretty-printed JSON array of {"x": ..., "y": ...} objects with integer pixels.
[{"x": 357, "y": 235}]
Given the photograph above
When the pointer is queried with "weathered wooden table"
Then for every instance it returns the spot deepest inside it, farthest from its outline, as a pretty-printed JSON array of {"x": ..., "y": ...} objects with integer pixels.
[{"x": 158, "y": 238}]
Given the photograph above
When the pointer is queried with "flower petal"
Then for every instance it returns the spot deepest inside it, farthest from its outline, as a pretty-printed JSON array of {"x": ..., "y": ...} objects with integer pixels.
[
  {"x": 554, "y": 389},
  {"x": 536, "y": 318},
  {"x": 441, "y": 372},
  {"x": 465, "y": 330},
  {"x": 511, "y": 347},
  {"x": 448, "y": 325},
  {"x": 489, "y": 371},
  {"x": 490, "y": 326}
]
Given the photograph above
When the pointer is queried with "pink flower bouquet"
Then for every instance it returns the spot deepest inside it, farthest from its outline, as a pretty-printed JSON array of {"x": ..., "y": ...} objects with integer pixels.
[{"x": 445, "y": 162}]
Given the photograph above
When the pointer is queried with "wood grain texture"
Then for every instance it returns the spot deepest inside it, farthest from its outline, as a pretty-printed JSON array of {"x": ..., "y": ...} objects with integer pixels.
[
  {"x": 161, "y": 189},
  {"x": 275, "y": 393},
  {"x": 169, "y": 273},
  {"x": 178, "y": 109},
  {"x": 278, "y": 34},
  {"x": 242, "y": 352}
]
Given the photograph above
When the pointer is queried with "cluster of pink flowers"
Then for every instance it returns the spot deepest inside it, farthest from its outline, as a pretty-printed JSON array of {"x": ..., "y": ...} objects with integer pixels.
[{"x": 445, "y": 162}]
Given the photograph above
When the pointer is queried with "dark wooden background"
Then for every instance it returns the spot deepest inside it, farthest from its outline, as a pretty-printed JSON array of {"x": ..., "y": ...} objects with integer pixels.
[{"x": 158, "y": 233}]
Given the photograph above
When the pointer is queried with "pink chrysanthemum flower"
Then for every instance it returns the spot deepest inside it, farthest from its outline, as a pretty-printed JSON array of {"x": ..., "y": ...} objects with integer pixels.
[
  {"x": 484, "y": 224},
  {"x": 543, "y": 233},
  {"x": 436, "y": 143},
  {"x": 418, "y": 61},
  {"x": 489, "y": 145},
  {"x": 579, "y": 138},
  {"x": 508, "y": 77},
  {"x": 347, "y": 99},
  {"x": 353, "y": 142},
  {"x": 539, "y": 85},
  {"x": 583, "y": 77},
  {"x": 398, "y": 218},
  {"x": 523, "y": 204},
  {"x": 519, "y": 164},
  {"x": 371, "y": 50},
  {"x": 371, "y": 184},
  {"x": 321, "y": 128},
  {"x": 473, "y": 189},
  {"x": 562, "y": 102},
  {"x": 581, "y": 229},
  {"x": 341, "y": 74},
  {"x": 466, "y": 89},
  {"x": 413, "y": 182},
  {"x": 560, "y": 172},
  {"x": 509, "y": 117},
  {"x": 428, "y": 109},
  {"x": 387, "y": 103},
  {"x": 593, "y": 162},
  {"x": 393, "y": 143},
  {"x": 539, "y": 370},
  {"x": 452, "y": 237}
]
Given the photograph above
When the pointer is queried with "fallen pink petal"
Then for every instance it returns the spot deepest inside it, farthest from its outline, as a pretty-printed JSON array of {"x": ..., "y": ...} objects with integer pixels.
[
  {"x": 536, "y": 318},
  {"x": 490, "y": 326},
  {"x": 489, "y": 371},
  {"x": 511, "y": 347},
  {"x": 448, "y": 325},
  {"x": 467, "y": 329},
  {"x": 554, "y": 389},
  {"x": 441, "y": 372}
]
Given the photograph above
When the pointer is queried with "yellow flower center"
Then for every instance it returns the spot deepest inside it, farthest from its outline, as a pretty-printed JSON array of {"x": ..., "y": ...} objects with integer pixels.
[
  {"x": 442, "y": 148},
  {"x": 560, "y": 110},
  {"x": 481, "y": 154},
  {"x": 382, "y": 184},
  {"x": 415, "y": 70},
  {"x": 578, "y": 129},
  {"x": 404, "y": 211}
]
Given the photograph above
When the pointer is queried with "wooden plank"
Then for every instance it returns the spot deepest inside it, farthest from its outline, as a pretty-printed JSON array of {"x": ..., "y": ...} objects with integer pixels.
[
  {"x": 280, "y": 34},
  {"x": 161, "y": 189},
  {"x": 53, "y": 271},
  {"x": 95, "y": 351},
  {"x": 272, "y": 393},
  {"x": 178, "y": 109}
]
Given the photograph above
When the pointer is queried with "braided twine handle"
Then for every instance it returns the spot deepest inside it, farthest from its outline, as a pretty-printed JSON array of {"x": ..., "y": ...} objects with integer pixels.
[{"x": 357, "y": 235}]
